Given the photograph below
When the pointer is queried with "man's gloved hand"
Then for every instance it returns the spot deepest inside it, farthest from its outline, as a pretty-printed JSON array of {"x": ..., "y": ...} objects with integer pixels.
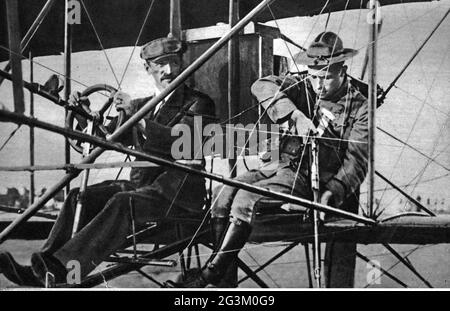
[
  {"x": 325, "y": 199},
  {"x": 75, "y": 99},
  {"x": 302, "y": 124},
  {"x": 122, "y": 101}
]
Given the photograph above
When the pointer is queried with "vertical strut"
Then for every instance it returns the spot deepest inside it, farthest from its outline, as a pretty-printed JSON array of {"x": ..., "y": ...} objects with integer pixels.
[
  {"x": 175, "y": 19},
  {"x": 233, "y": 77},
  {"x": 32, "y": 188},
  {"x": 67, "y": 75},
  {"x": 372, "y": 103},
  {"x": 316, "y": 220},
  {"x": 84, "y": 182},
  {"x": 12, "y": 12},
  {"x": 31, "y": 31}
]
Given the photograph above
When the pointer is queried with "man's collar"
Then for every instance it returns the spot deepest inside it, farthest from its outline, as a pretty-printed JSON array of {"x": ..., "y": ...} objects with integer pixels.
[
  {"x": 340, "y": 92},
  {"x": 175, "y": 94}
]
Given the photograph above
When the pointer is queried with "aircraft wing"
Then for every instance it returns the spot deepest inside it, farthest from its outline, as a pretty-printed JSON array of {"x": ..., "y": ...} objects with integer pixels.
[{"x": 118, "y": 22}]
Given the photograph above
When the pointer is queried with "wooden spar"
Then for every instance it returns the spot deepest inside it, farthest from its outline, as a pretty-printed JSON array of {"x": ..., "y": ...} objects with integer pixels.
[
  {"x": 105, "y": 144},
  {"x": 95, "y": 166},
  {"x": 175, "y": 19},
  {"x": 41, "y": 91},
  {"x": 67, "y": 76},
  {"x": 12, "y": 12},
  {"x": 141, "y": 113},
  {"x": 15, "y": 210},
  {"x": 372, "y": 103},
  {"x": 233, "y": 79},
  {"x": 32, "y": 188},
  {"x": 30, "y": 33},
  {"x": 83, "y": 182},
  {"x": 316, "y": 219},
  {"x": 366, "y": 55}
]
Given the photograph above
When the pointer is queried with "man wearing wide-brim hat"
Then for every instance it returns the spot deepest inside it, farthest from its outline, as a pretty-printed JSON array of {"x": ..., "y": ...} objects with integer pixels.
[
  {"x": 324, "y": 102},
  {"x": 326, "y": 49},
  {"x": 112, "y": 210}
]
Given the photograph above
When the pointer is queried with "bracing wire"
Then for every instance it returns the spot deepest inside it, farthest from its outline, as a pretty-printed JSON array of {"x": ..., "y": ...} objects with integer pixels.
[
  {"x": 11, "y": 135},
  {"x": 415, "y": 122},
  {"x": 101, "y": 44}
]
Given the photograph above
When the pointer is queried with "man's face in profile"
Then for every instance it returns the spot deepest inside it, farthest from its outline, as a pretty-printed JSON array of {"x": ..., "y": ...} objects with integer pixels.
[
  {"x": 326, "y": 80},
  {"x": 164, "y": 69}
]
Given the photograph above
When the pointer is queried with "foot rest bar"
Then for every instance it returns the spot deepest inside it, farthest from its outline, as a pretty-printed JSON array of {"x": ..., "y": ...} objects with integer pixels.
[{"x": 148, "y": 262}]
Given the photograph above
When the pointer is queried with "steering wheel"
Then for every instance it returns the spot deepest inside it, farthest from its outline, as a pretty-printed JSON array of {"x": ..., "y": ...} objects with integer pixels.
[{"x": 106, "y": 125}]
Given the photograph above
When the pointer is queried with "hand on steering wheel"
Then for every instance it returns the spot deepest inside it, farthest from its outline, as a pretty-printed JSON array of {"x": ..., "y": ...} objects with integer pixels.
[{"x": 103, "y": 124}]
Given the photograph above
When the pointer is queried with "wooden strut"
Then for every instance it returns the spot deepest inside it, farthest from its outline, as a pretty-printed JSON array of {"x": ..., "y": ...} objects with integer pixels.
[
  {"x": 234, "y": 73},
  {"x": 392, "y": 277},
  {"x": 175, "y": 19},
  {"x": 372, "y": 102},
  {"x": 15, "y": 210},
  {"x": 268, "y": 262},
  {"x": 32, "y": 181},
  {"x": 39, "y": 89},
  {"x": 414, "y": 201},
  {"x": 408, "y": 264},
  {"x": 30, "y": 33},
  {"x": 67, "y": 78},
  {"x": 141, "y": 113},
  {"x": 316, "y": 220},
  {"x": 83, "y": 183},
  {"x": 12, "y": 12},
  {"x": 125, "y": 267},
  {"x": 69, "y": 167}
]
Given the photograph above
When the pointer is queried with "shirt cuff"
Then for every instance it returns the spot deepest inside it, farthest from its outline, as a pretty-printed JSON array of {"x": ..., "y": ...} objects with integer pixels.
[{"x": 338, "y": 189}]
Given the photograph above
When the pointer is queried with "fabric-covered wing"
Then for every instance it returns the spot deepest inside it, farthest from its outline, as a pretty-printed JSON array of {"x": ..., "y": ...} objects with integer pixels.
[{"x": 118, "y": 22}]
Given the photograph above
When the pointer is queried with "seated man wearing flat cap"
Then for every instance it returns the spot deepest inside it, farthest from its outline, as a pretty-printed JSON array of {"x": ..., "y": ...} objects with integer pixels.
[
  {"x": 155, "y": 192},
  {"x": 325, "y": 102}
]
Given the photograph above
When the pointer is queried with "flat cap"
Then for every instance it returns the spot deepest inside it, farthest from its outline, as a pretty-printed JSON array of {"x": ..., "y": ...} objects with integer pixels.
[{"x": 160, "y": 47}]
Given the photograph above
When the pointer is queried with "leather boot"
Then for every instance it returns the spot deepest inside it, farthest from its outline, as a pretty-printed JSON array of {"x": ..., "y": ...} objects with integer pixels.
[
  {"x": 43, "y": 264},
  {"x": 15, "y": 272},
  {"x": 219, "y": 226},
  {"x": 234, "y": 240}
]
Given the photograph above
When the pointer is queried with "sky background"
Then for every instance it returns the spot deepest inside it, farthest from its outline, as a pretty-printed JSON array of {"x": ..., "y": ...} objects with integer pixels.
[{"x": 416, "y": 111}]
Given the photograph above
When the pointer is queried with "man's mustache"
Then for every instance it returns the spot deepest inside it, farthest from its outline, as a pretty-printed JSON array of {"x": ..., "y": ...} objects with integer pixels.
[{"x": 167, "y": 77}]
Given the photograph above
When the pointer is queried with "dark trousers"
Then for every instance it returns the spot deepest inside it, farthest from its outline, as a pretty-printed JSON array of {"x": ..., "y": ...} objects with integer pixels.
[
  {"x": 105, "y": 222},
  {"x": 241, "y": 204},
  {"x": 340, "y": 258}
]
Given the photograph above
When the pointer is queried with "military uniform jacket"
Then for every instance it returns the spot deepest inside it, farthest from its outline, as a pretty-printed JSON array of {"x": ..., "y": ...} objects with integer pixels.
[
  {"x": 343, "y": 148},
  {"x": 174, "y": 185}
]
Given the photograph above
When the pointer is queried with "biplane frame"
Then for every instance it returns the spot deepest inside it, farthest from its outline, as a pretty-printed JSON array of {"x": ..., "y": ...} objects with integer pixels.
[{"x": 369, "y": 230}]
